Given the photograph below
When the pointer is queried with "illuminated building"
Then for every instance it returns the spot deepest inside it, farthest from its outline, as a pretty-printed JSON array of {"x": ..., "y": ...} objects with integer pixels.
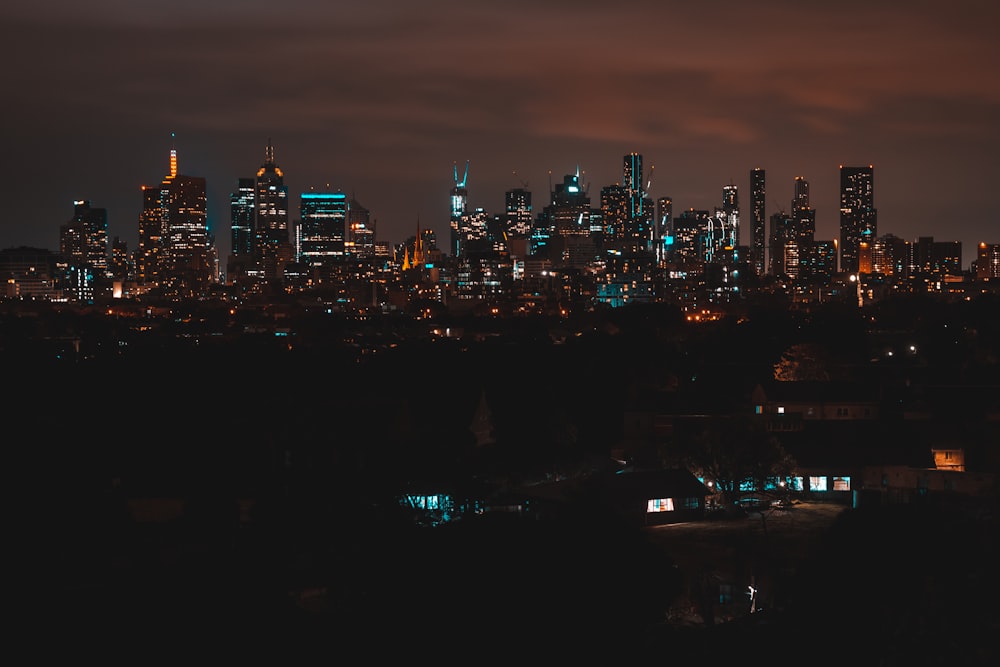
[
  {"x": 517, "y": 212},
  {"x": 664, "y": 228},
  {"x": 731, "y": 213},
  {"x": 639, "y": 213},
  {"x": 242, "y": 216},
  {"x": 988, "y": 261},
  {"x": 569, "y": 213},
  {"x": 273, "y": 245},
  {"x": 459, "y": 209},
  {"x": 890, "y": 256},
  {"x": 689, "y": 235},
  {"x": 83, "y": 239},
  {"x": 175, "y": 250},
  {"x": 793, "y": 235},
  {"x": 933, "y": 260},
  {"x": 322, "y": 230},
  {"x": 858, "y": 215},
  {"x": 758, "y": 193},
  {"x": 360, "y": 232},
  {"x": 614, "y": 211},
  {"x": 30, "y": 273}
]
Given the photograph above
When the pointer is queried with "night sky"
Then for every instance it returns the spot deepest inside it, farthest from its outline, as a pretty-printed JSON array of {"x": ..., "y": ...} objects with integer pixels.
[{"x": 381, "y": 99}]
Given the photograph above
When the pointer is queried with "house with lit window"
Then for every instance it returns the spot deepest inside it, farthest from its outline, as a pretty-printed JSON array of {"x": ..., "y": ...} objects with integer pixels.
[
  {"x": 787, "y": 406},
  {"x": 654, "y": 497}
]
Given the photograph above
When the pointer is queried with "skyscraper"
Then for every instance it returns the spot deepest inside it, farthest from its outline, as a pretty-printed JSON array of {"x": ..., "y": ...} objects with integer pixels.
[
  {"x": 639, "y": 212},
  {"x": 83, "y": 239},
  {"x": 731, "y": 213},
  {"x": 323, "y": 230},
  {"x": 664, "y": 228},
  {"x": 188, "y": 260},
  {"x": 517, "y": 212},
  {"x": 241, "y": 217},
  {"x": 273, "y": 243},
  {"x": 858, "y": 215},
  {"x": 175, "y": 250},
  {"x": 459, "y": 209},
  {"x": 758, "y": 194}
]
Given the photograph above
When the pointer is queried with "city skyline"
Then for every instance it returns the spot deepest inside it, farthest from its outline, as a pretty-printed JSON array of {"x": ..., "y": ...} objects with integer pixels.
[{"x": 381, "y": 102}]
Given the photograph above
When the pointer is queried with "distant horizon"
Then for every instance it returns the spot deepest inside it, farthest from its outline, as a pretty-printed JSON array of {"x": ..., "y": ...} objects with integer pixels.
[{"x": 223, "y": 235}]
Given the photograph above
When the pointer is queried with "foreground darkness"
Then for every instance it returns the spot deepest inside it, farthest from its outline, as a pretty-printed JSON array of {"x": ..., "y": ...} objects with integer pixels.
[{"x": 321, "y": 434}]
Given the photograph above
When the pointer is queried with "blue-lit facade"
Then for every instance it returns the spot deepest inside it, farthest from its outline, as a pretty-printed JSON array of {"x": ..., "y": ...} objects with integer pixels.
[{"x": 323, "y": 228}]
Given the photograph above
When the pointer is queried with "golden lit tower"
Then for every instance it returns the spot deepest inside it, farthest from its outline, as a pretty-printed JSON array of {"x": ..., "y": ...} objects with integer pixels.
[{"x": 274, "y": 248}]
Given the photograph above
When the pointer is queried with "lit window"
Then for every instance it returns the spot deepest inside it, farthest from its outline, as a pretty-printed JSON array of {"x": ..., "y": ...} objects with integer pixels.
[
  {"x": 817, "y": 483},
  {"x": 781, "y": 409},
  {"x": 841, "y": 483},
  {"x": 660, "y": 505}
]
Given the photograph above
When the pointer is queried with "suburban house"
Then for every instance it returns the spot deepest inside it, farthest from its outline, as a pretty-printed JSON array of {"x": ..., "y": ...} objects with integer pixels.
[{"x": 654, "y": 497}]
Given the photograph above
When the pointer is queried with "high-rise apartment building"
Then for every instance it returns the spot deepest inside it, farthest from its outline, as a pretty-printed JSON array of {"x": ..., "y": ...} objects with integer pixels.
[
  {"x": 758, "y": 221},
  {"x": 858, "y": 215}
]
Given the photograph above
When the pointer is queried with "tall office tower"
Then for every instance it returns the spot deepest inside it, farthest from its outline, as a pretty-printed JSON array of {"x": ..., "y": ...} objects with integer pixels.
[
  {"x": 758, "y": 194},
  {"x": 149, "y": 251},
  {"x": 664, "y": 228},
  {"x": 731, "y": 213},
  {"x": 242, "y": 211},
  {"x": 189, "y": 260},
  {"x": 569, "y": 213},
  {"x": 322, "y": 230},
  {"x": 273, "y": 243},
  {"x": 639, "y": 214},
  {"x": 804, "y": 215},
  {"x": 517, "y": 212},
  {"x": 858, "y": 215},
  {"x": 459, "y": 208},
  {"x": 360, "y": 232},
  {"x": 83, "y": 239},
  {"x": 175, "y": 249}
]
